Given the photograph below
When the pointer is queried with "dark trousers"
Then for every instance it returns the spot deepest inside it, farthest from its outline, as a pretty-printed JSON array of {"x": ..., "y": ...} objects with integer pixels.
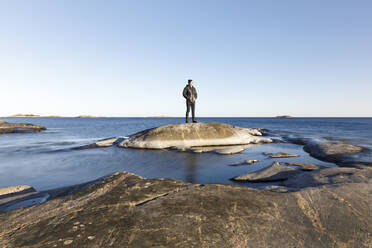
[{"x": 188, "y": 106}]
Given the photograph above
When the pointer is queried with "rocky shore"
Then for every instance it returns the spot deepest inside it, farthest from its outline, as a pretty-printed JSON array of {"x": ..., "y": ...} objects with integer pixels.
[
  {"x": 308, "y": 206},
  {"x": 6, "y": 127}
]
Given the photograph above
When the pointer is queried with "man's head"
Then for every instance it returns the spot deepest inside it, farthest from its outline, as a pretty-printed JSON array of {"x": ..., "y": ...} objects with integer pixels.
[{"x": 190, "y": 82}]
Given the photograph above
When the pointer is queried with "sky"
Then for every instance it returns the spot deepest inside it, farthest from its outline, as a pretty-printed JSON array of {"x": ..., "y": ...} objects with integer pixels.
[{"x": 133, "y": 58}]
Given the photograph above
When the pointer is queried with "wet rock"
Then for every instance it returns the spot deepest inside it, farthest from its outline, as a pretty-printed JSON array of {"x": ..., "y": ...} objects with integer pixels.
[
  {"x": 170, "y": 213},
  {"x": 329, "y": 176},
  {"x": 275, "y": 172},
  {"x": 230, "y": 150},
  {"x": 246, "y": 162},
  {"x": 101, "y": 143},
  {"x": 283, "y": 155},
  {"x": 17, "y": 189},
  {"x": 6, "y": 127},
  {"x": 305, "y": 166},
  {"x": 194, "y": 135},
  {"x": 332, "y": 151}
]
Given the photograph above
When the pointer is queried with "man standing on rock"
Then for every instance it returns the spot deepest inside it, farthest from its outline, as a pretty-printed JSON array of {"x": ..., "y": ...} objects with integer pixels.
[{"x": 189, "y": 92}]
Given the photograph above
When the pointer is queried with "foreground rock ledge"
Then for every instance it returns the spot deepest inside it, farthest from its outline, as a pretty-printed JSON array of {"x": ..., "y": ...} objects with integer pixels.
[
  {"x": 125, "y": 210},
  {"x": 6, "y": 127},
  {"x": 194, "y": 135}
]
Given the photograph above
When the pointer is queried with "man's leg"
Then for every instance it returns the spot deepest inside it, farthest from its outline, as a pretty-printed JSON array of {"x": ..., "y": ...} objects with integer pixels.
[
  {"x": 193, "y": 111},
  {"x": 187, "y": 111}
]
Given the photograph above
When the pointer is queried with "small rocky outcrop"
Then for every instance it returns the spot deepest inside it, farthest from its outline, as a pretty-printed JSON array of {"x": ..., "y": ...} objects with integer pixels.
[
  {"x": 6, "y": 127},
  {"x": 125, "y": 210},
  {"x": 275, "y": 172},
  {"x": 101, "y": 143},
  {"x": 194, "y": 135},
  {"x": 332, "y": 151},
  {"x": 246, "y": 162},
  {"x": 283, "y": 155},
  {"x": 305, "y": 166}
]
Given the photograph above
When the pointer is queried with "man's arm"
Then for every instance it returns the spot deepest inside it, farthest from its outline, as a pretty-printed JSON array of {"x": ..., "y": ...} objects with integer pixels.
[{"x": 184, "y": 93}]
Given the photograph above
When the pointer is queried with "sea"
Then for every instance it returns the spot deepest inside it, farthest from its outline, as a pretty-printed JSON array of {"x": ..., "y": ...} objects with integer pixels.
[{"x": 46, "y": 160}]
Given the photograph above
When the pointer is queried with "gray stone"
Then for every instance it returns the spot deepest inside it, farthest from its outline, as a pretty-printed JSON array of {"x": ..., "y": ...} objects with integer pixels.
[
  {"x": 194, "y": 135},
  {"x": 230, "y": 150},
  {"x": 275, "y": 172},
  {"x": 332, "y": 151},
  {"x": 246, "y": 162},
  {"x": 6, "y": 127},
  {"x": 101, "y": 143},
  {"x": 283, "y": 155},
  {"x": 305, "y": 166}
]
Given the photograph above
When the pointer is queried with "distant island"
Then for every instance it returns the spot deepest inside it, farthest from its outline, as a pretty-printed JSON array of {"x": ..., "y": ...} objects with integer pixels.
[
  {"x": 283, "y": 116},
  {"x": 159, "y": 116},
  {"x": 25, "y": 115},
  {"x": 89, "y": 116}
]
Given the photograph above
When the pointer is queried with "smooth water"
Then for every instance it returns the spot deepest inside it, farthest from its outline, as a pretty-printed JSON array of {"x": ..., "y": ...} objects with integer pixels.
[{"x": 44, "y": 160}]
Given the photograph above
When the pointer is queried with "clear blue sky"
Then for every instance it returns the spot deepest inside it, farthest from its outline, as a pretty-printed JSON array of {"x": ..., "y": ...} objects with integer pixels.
[{"x": 133, "y": 58}]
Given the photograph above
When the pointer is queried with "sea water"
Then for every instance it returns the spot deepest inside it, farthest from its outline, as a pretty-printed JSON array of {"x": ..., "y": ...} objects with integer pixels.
[{"x": 45, "y": 160}]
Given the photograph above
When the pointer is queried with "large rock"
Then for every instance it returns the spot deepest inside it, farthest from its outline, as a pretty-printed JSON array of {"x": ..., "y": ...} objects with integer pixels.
[
  {"x": 332, "y": 151},
  {"x": 193, "y": 135},
  {"x": 126, "y": 210},
  {"x": 6, "y": 127}
]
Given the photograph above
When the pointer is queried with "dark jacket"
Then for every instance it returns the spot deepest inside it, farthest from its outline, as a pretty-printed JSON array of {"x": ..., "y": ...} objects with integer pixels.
[{"x": 190, "y": 93}]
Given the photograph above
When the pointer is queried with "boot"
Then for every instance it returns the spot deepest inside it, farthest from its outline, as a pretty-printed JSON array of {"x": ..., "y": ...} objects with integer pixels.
[
  {"x": 187, "y": 119},
  {"x": 194, "y": 121}
]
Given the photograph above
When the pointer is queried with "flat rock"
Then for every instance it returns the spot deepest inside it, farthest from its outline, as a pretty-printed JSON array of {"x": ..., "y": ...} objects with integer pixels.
[
  {"x": 126, "y": 210},
  {"x": 101, "y": 143},
  {"x": 6, "y": 127},
  {"x": 230, "y": 150},
  {"x": 246, "y": 162},
  {"x": 11, "y": 190},
  {"x": 194, "y": 135},
  {"x": 305, "y": 166},
  {"x": 327, "y": 176},
  {"x": 283, "y": 155},
  {"x": 275, "y": 172},
  {"x": 331, "y": 151}
]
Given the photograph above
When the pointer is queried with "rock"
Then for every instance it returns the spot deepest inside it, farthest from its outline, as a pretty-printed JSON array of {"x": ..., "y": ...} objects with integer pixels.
[
  {"x": 193, "y": 135},
  {"x": 326, "y": 176},
  {"x": 283, "y": 155},
  {"x": 6, "y": 127},
  {"x": 230, "y": 151},
  {"x": 266, "y": 153},
  {"x": 305, "y": 166},
  {"x": 170, "y": 213},
  {"x": 101, "y": 143},
  {"x": 284, "y": 116},
  {"x": 246, "y": 162},
  {"x": 13, "y": 190},
  {"x": 331, "y": 151},
  {"x": 275, "y": 172}
]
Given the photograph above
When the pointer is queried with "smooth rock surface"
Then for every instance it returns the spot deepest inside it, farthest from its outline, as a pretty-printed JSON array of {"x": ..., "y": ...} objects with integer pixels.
[
  {"x": 230, "y": 150},
  {"x": 332, "y": 151},
  {"x": 126, "y": 210},
  {"x": 101, "y": 143},
  {"x": 283, "y": 155},
  {"x": 275, "y": 172},
  {"x": 6, "y": 127},
  {"x": 305, "y": 166},
  {"x": 329, "y": 176},
  {"x": 246, "y": 162},
  {"x": 194, "y": 135}
]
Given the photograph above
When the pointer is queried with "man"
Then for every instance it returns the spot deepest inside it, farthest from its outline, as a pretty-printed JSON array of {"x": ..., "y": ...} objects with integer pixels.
[{"x": 189, "y": 92}]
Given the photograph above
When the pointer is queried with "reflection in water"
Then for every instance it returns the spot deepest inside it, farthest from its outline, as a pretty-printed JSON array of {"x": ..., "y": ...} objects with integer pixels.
[{"x": 191, "y": 167}]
